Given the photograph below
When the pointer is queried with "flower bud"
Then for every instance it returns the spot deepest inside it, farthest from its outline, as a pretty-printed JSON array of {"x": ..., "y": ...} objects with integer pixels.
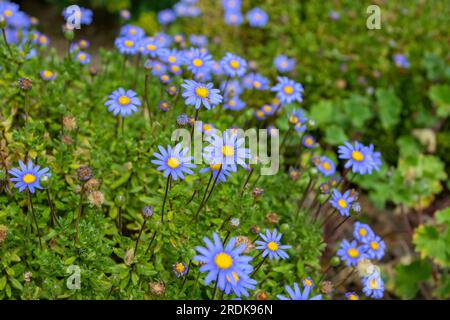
[
  {"x": 120, "y": 200},
  {"x": 147, "y": 211},
  {"x": 46, "y": 181}
]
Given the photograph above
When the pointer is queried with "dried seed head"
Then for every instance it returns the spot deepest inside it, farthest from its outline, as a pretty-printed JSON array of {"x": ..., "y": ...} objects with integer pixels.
[
  {"x": 324, "y": 188},
  {"x": 96, "y": 198},
  {"x": 69, "y": 123},
  {"x": 84, "y": 173},
  {"x": 3, "y": 233},
  {"x": 294, "y": 174},
  {"x": 147, "y": 211},
  {"x": 25, "y": 84},
  {"x": 326, "y": 287},
  {"x": 272, "y": 217},
  {"x": 234, "y": 223},
  {"x": 255, "y": 229},
  {"x": 257, "y": 192},
  {"x": 262, "y": 295},
  {"x": 157, "y": 288},
  {"x": 27, "y": 276},
  {"x": 67, "y": 140},
  {"x": 172, "y": 89},
  {"x": 92, "y": 185},
  {"x": 249, "y": 246}
]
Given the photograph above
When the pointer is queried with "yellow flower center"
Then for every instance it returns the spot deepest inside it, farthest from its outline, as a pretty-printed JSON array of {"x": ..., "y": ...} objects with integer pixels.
[
  {"x": 172, "y": 59},
  {"x": 129, "y": 43},
  {"x": 235, "y": 276},
  {"x": 373, "y": 284},
  {"x": 257, "y": 84},
  {"x": 29, "y": 178},
  {"x": 165, "y": 77},
  {"x": 197, "y": 62},
  {"x": 151, "y": 47},
  {"x": 353, "y": 253},
  {"x": 223, "y": 261},
  {"x": 353, "y": 297},
  {"x": 272, "y": 246},
  {"x": 81, "y": 57},
  {"x": 342, "y": 203},
  {"x": 374, "y": 245},
  {"x": 8, "y": 13},
  {"x": 124, "y": 100},
  {"x": 175, "y": 68},
  {"x": 179, "y": 268},
  {"x": 133, "y": 32},
  {"x": 215, "y": 167},
  {"x": 43, "y": 40},
  {"x": 308, "y": 283},
  {"x": 47, "y": 74},
  {"x": 357, "y": 156},
  {"x": 326, "y": 165},
  {"x": 293, "y": 119},
  {"x": 309, "y": 141},
  {"x": 267, "y": 108},
  {"x": 284, "y": 64},
  {"x": 206, "y": 127},
  {"x": 228, "y": 151},
  {"x": 232, "y": 103},
  {"x": 288, "y": 90},
  {"x": 202, "y": 92},
  {"x": 173, "y": 162},
  {"x": 234, "y": 64},
  {"x": 362, "y": 232},
  {"x": 259, "y": 113}
]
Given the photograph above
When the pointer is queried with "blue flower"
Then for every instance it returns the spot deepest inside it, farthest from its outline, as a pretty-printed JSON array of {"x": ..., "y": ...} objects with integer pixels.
[
  {"x": 170, "y": 56},
  {"x": 255, "y": 81},
  {"x": 268, "y": 109},
  {"x": 374, "y": 248},
  {"x": 175, "y": 69},
  {"x": 163, "y": 106},
  {"x": 164, "y": 78},
  {"x": 231, "y": 5},
  {"x": 351, "y": 296},
  {"x": 179, "y": 269},
  {"x": 374, "y": 158},
  {"x": 83, "y": 57},
  {"x": 126, "y": 45},
  {"x": 297, "y": 117},
  {"x": 200, "y": 41},
  {"x": 342, "y": 202},
  {"x": 233, "y": 18},
  {"x": 257, "y": 18},
  {"x": 224, "y": 264},
  {"x": 233, "y": 65},
  {"x": 273, "y": 132},
  {"x": 8, "y": 10},
  {"x": 215, "y": 168},
  {"x": 326, "y": 166},
  {"x": 241, "y": 285},
  {"x": 296, "y": 294},
  {"x": 288, "y": 90},
  {"x": 283, "y": 64},
  {"x": 27, "y": 176},
  {"x": 334, "y": 15},
  {"x": 356, "y": 156},
  {"x": 174, "y": 161},
  {"x": 47, "y": 75},
  {"x": 309, "y": 141},
  {"x": 271, "y": 245},
  {"x": 149, "y": 47},
  {"x": 233, "y": 88},
  {"x": 132, "y": 32},
  {"x": 350, "y": 252},
  {"x": 123, "y": 102},
  {"x": 234, "y": 103},
  {"x": 260, "y": 115},
  {"x": 20, "y": 20},
  {"x": 373, "y": 286},
  {"x": 163, "y": 39},
  {"x": 362, "y": 232},
  {"x": 198, "y": 61},
  {"x": 197, "y": 94},
  {"x": 166, "y": 16},
  {"x": 84, "y": 15},
  {"x": 228, "y": 149},
  {"x": 158, "y": 68},
  {"x": 401, "y": 61},
  {"x": 125, "y": 14}
]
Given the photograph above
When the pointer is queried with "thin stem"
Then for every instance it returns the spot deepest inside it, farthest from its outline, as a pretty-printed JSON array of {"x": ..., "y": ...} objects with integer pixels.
[
  {"x": 139, "y": 237},
  {"x": 6, "y": 42},
  {"x": 186, "y": 275},
  {"x": 286, "y": 135},
  {"x": 345, "y": 279},
  {"x": 120, "y": 219},
  {"x": 327, "y": 218},
  {"x": 213, "y": 186},
  {"x": 80, "y": 212},
  {"x": 165, "y": 197},
  {"x": 123, "y": 125},
  {"x": 196, "y": 118},
  {"x": 305, "y": 193},
  {"x": 340, "y": 224},
  {"x": 246, "y": 182},
  {"x": 30, "y": 202},
  {"x": 52, "y": 208},
  {"x": 258, "y": 266},
  {"x": 151, "y": 241},
  {"x": 146, "y": 98},
  {"x": 226, "y": 237},
  {"x": 215, "y": 288}
]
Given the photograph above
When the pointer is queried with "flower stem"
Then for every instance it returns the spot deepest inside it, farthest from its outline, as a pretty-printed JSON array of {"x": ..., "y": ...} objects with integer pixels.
[
  {"x": 215, "y": 288},
  {"x": 327, "y": 218},
  {"x": 120, "y": 219},
  {"x": 6, "y": 42},
  {"x": 196, "y": 118},
  {"x": 246, "y": 182},
  {"x": 151, "y": 241},
  {"x": 80, "y": 212},
  {"x": 30, "y": 202},
  {"x": 139, "y": 237},
  {"x": 340, "y": 224},
  {"x": 165, "y": 197},
  {"x": 146, "y": 98},
  {"x": 52, "y": 209},
  {"x": 202, "y": 205},
  {"x": 258, "y": 266}
]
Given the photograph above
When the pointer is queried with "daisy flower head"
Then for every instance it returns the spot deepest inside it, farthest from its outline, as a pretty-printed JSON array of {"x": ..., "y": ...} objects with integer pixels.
[
  {"x": 284, "y": 64},
  {"x": 232, "y": 88},
  {"x": 170, "y": 56},
  {"x": 273, "y": 131},
  {"x": 216, "y": 68},
  {"x": 296, "y": 116},
  {"x": 326, "y": 166},
  {"x": 401, "y": 61},
  {"x": 268, "y": 109},
  {"x": 175, "y": 162},
  {"x": 217, "y": 169},
  {"x": 43, "y": 40},
  {"x": 206, "y": 128},
  {"x": 350, "y": 253},
  {"x": 233, "y": 65},
  {"x": 127, "y": 46},
  {"x": 198, "y": 60},
  {"x": 164, "y": 106},
  {"x": 83, "y": 44},
  {"x": 309, "y": 141},
  {"x": 374, "y": 248},
  {"x": 163, "y": 39},
  {"x": 175, "y": 69},
  {"x": 158, "y": 68},
  {"x": 259, "y": 115},
  {"x": 132, "y": 32},
  {"x": 234, "y": 18},
  {"x": 271, "y": 245},
  {"x": 223, "y": 263},
  {"x": 28, "y": 176},
  {"x": 296, "y": 294},
  {"x": 351, "y": 296},
  {"x": 166, "y": 16},
  {"x": 356, "y": 156},
  {"x": 231, "y": 5},
  {"x": 257, "y": 18},
  {"x": 125, "y": 14},
  {"x": 84, "y": 16},
  {"x": 123, "y": 102},
  {"x": 180, "y": 269},
  {"x": 234, "y": 103},
  {"x": 255, "y": 81},
  {"x": 342, "y": 202},
  {"x": 8, "y": 10},
  {"x": 228, "y": 149},
  {"x": 197, "y": 94},
  {"x": 288, "y": 90},
  {"x": 149, "y": 47},
  {"x": 374, "y": 158},
  {"x": 164, "y": 78},
  {"x": 362, "y": 232},
  {"x": 47, "y": 75},
  {"x": 241, "y": 285},
  {"x": 199, "y": 41},
  {"x": 83, "y": 57},
  {"x": 373, "y": 286}
]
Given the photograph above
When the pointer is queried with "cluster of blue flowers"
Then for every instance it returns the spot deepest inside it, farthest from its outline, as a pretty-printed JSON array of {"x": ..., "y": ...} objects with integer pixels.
[{"x": 256, "y": 17}]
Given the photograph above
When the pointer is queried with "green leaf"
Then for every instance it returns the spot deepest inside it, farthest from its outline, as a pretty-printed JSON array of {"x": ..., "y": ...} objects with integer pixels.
[
  {"x": 443, "y": 216},
  {"x": 407, "y": 278},
  {"x": 433, "y": 244},
  {"x": 335, "y": 135},
  {"x": 322, "y": 112},
  {"x": 389, "y": 108},
  {"x": 16, "y": 284},
  {"x": 440, "y": 95}
]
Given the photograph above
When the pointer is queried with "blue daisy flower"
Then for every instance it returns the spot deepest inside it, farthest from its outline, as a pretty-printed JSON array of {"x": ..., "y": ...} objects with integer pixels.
[
  {"x": 326, "y": 166},
  {"x": 8, "y": 10},
  {"x": 234, "y": 103},
  {"x": 374, "y": 158},
  {"x": 342, "y": 202},
  {"x": 20, "y": 20},
  {"x": 268, "y": 109},
  {"x": 374, "y": 248},
  {"x": 199, "y": 41},
  {"x": 198, "y": 61},
  {"x": 350, "y": 252},
  {"x": 170, "y": 56},
  {"x": 271, "y": 245},
  {"x": 47, "y": 75},
  {"x": 123, "y": 102},
  {"x": 174, "y": 161},
  {"x": 231, "y": 5},
  {"x": 132, "y": 32},
  {"x": 362, "y": 232},
  {"x": 127, "y": 46},
  {"x": 356, "y": 156},
  {"x": 233, "y": 18},
  {"x": 233, "y": 65},
  {"x": 84, "y": 15},
  {"x": 158, "y": 68},
  {"x": 241, "y": 286},
  {"x": 197, "y": 94},
  {"x": 216, "y": 68},
  {"x": 224, "y": 264},
  {"x": 215, "y": 168},
  {"x": 309, "y": 141},
  {"x": 401, "y": 61},
  {"x": 163, "y": 106},
  {"x": 273, "y": 132},
  {"x": 83, "y": 57},
  {"x": 296, "y": 294},
  {"x": 255, "y": 81},
  {"x": 180, "y": 269},
  {"x": 351, "y": 296},
  {"x": 125, "y": 14},
  {"x": 259, "y": 115},
  {"x": 373, "y": 286},
  {"x": 296, "y": 116},
  {"x": 164, "y": 78},
  {"x": 233, "y": 88},
  {"x": 288, "y": 91},
  {"x": 257, "y": 18},
  {"x": 166, "y": 16},
  {"x": 149, "y": 47},
  {"x": 283, "y": 64},
  {"x": 175, "y": 69},
  {"x": 27, "y": 176}
]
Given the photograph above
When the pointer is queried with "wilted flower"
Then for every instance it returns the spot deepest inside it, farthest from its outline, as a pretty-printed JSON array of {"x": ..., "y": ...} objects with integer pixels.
[
  {"x": 249, "y": 246},
  {"x": 147, "y": 211},
  {"x": 272, "y": 218},
  {"x": 3, "y": 233},
  {"x": 69, "y": 123},
  {"x": 92, "y": 185},
  {"x": 96, "y": 198},
  {"x": 157, "y": 288},
  {"x": 25, "y": 84},
  {"x": 257, "y": 192},
  {"x": 84, "y": 173}
]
